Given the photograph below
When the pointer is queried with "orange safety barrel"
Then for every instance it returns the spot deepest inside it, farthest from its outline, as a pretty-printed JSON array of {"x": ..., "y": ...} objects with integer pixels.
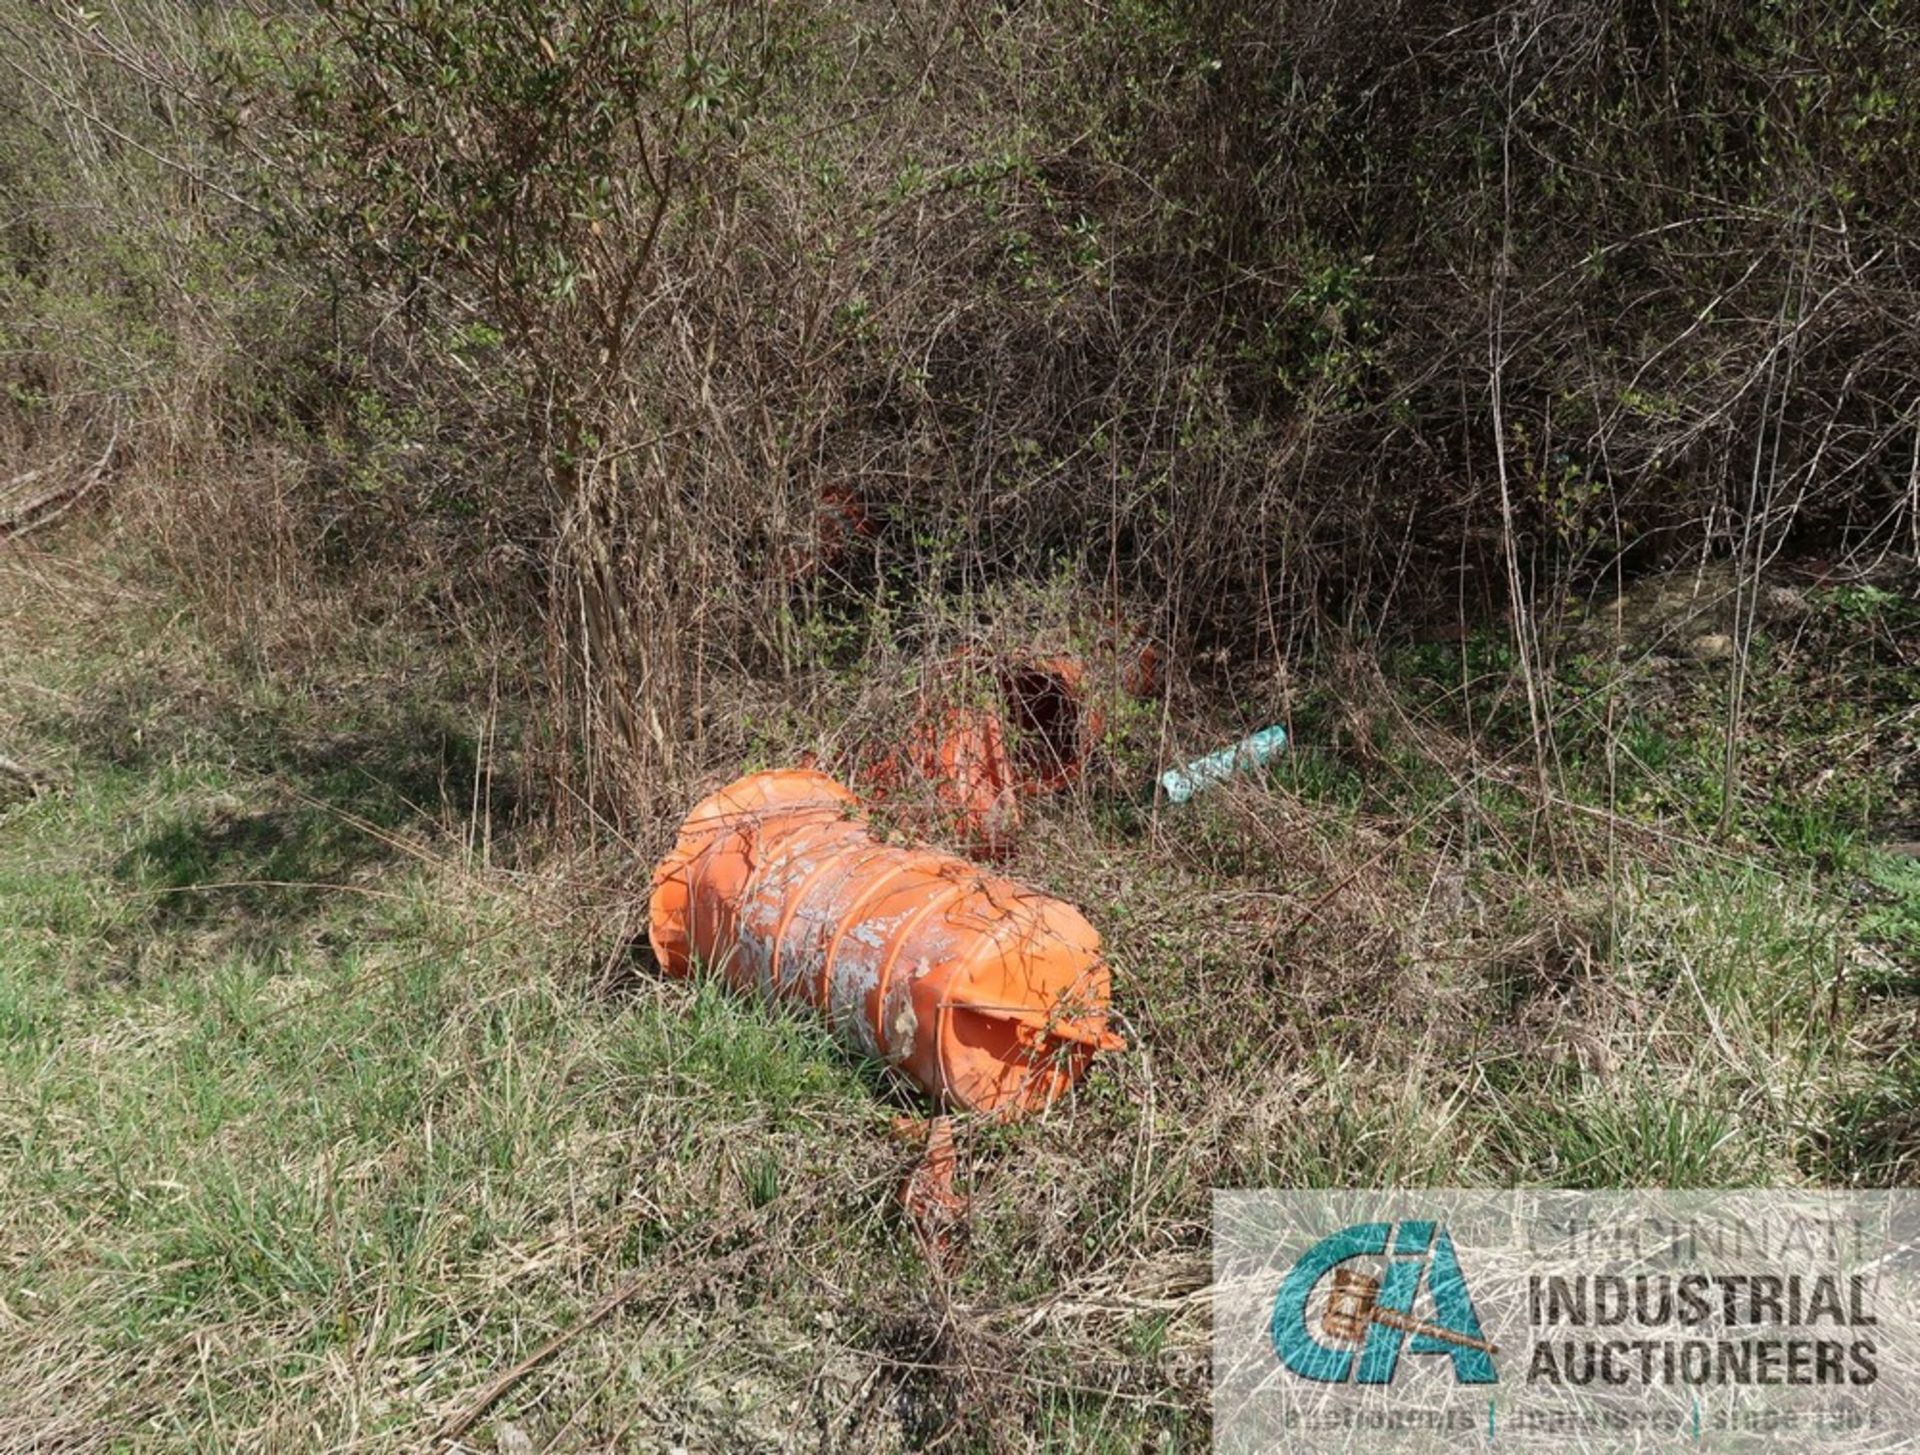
[{"x": 991, "y": 996}]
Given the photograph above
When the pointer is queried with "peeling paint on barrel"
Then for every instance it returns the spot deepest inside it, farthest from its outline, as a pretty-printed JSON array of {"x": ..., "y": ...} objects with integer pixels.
[{"x": 989, "y": 995}]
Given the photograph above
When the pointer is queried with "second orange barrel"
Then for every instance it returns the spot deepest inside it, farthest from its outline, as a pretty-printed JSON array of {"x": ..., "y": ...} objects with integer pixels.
[{"x": 991, "y": 996}]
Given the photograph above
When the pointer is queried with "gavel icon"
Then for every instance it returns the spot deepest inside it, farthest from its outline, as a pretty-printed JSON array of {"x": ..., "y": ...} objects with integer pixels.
[{"x": 1353, "y": 1302}]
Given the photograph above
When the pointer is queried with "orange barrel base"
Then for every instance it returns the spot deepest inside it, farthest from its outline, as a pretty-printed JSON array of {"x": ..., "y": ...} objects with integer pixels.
[{"x": 991, "y": 996}]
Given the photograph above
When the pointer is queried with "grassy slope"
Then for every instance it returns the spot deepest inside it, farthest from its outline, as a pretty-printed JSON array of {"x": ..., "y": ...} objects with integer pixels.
[
  {"x": 287, "y": 1165},
  {"x": 312, "y": 1121}
]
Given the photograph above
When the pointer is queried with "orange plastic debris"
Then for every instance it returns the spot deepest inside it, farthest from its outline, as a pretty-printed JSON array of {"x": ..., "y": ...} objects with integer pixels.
[
  {"x": 937, "y": 1212},
  {"x": 990, "y": 996},
  {"x": 962, "y": 752},
  {"x": 1140, "y": 674},
  {"x": 838, "y": 516}
]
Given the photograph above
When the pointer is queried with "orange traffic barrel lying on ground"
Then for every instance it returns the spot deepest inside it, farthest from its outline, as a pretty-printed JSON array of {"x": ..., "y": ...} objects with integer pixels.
[{"x": 991, "y": 996}]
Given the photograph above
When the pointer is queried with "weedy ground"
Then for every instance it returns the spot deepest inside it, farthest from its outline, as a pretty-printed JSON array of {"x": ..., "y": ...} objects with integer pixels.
[{"x": 328, "y": 1093}]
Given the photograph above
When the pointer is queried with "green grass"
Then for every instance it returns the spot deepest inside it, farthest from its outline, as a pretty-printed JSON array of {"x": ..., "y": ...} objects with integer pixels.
[
  {"x": 309, "y": 1124},
  {"x": 383, "y": 1133},
  {"x": 313, "y": 1120},
  {"x": 1893, "y": 920}
]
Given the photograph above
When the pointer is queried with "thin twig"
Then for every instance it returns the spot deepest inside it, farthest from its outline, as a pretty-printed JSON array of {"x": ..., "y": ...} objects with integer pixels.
[
  {"x": 50, "y": 505},
  {"x": 32, "y": 777},
  {"x": 500, "y": 1386}
]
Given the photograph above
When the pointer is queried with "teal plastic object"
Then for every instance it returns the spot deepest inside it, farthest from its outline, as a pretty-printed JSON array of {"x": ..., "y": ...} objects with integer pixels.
[{"x": 1180, "y": 784}]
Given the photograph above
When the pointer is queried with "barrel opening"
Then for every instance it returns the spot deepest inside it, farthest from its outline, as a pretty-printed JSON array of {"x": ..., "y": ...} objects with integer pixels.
[
  {"x": 1034, "y": 1068},
  {"x": 1049, "y": 715}
]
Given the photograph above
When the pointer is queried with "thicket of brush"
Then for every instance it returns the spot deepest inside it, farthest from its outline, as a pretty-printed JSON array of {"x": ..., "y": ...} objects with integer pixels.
[{"x": 1239, "y": 323}]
